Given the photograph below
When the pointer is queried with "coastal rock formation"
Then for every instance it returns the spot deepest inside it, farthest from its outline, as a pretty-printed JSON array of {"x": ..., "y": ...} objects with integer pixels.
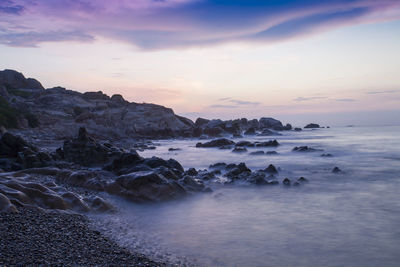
[{"x": 311, "y": 126}]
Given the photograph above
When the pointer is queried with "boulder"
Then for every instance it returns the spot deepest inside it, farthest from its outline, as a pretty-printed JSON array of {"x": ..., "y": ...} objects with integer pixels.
[
  {"x": 269, "y": 123},
  {"x": 336, "y": 170},
  {"x": 286, "y": 182},
  {"x": 216, "y": 143},
  {"x": 311, "y": 126},
  {"x": 239, "y": 150},
  {"x": 257, "y": 153},
  {"x": 250, "y": 131},
  {"x": 267, "y": 144},
  {"x": 271, "y": 169},
  {"x": 305, "y": 149}
]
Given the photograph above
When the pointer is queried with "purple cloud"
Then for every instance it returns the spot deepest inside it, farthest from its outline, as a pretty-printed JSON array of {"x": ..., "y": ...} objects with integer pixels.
[
  {"x": 156, "y": 24},
  {"x": 301, "y": 99}
]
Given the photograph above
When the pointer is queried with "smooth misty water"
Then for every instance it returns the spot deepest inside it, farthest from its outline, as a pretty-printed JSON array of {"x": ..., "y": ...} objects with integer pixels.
[{"x": 349, "y": 219}]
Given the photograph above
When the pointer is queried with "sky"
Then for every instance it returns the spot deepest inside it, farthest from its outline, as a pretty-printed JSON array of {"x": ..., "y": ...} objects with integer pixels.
[{"x": 334, "y": 62}]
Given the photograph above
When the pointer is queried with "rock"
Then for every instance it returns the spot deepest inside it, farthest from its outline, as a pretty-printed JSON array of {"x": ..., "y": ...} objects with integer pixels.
[
  {"x": 250, "y": 131},
  {"x": 302, "y": 180},
  {"x": 200, "y": 122},
  {"x": 266, "y": 132},
  {"x": 271, "y": 169},
  {"x": 286, "y": 182},
  {"x": 239, "y": 150},
  {"x": 304, "y": 149},
  {"x": 213, "y": 131},
  {"x": 257, "y": 153},
  {"x": 287, "y": 127},
  {"x": 244, "y": 143},
  {"x": 16, "y": 80},
  {"x": 269, "y": 123},
  {"x": 5, "y": 204},
  {"x": 235, "y": 170},
  {"x": 271, "y": 153},
  {"x": 145, "y": 186},
  {"x": 219, "y": 165},
  {"x": 192, "y": 184},
  {"x": 216, "y": 143},
  {"x": 192, "y": 172},
  {"x": 327, "y": 155},
  {"x": 298, "y": 129},
  {"x": 311, "y": 125},
  {"x": 174, "y": 149},
  {"x": 266, "y": 144},
  {"x": 336, "y": 170}
]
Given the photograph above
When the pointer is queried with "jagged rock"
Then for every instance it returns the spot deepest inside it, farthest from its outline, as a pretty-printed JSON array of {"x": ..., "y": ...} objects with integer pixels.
[
  {"x": 219, "y": 165},
  {"x": 311, "y": 125},
  {"x": 336, "y": 170},
  {"x": 192, "y": 172},
  {"x": 286, "y": 182},
  {"x": 271, "y": 169},
  {"x": 200, "y": 122},
  {"x": 216, "y": 143},
  {"x": 235, "y": 170},
  {"x": 302, "y": 180}
]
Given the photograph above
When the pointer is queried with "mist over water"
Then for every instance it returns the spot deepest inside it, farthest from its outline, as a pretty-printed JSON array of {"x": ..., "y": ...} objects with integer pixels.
[{"x": 346, "y": 219}]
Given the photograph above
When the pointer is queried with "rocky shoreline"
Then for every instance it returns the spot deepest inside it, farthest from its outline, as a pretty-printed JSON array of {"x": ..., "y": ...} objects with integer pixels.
[{"x": 37, "y": 238}]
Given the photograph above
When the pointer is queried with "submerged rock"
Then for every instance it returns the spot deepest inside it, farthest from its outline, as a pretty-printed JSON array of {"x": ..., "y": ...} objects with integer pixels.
[
  {"x": 239, "y": 150},
  {"x": 305, "y": 149},
  {"x": 286, "y": 182},
  {"x": 271, "y": 169},
  {"x": 336, "y": 170},
  {"x": 257, "y": 153}
]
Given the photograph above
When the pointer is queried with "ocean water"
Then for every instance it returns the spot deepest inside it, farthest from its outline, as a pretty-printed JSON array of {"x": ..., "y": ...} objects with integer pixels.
[{"x": 346, "y": 219}]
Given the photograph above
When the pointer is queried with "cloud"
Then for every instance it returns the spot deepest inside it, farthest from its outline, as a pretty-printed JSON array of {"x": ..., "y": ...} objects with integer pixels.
[
  {"x": 383, "y": 92},
  {"x": 31, "y": 39},
  {"x": 301, "y": 99},
  {"x": 239, "y": 102},
  {"x": 163, "y": 24},
  {"x": 345, "y": 99},
  {"x": 223, "y": 106},
  {"x": 8, "y": 7}
]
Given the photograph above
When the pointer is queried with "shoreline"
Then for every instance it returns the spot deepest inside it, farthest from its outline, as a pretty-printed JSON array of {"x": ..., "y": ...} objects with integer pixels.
[{"x": 34, "y": 237}]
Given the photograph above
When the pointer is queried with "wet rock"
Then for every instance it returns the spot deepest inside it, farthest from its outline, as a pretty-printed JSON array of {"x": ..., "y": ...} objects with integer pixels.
[
  {"x": 271, "y": 153},
  {"x": 174, "y": 149},
  {"x": 239, "y": 150},
  {"x": 311, "y": 126},
  {"x": 192, "y": 172},
  {"x": 271, "y": 169},
  {"x": 266, "y": 132},
  {"x": 236, "y": 170},
  {"x": 305, "y": 149},
  {"x": 327, "y": 155},
  {"x": 216, "y": 143},
  {"x": 267, "y": 144},
  {"x": 286, "y": 182},
  {"x": 269, "y": 123},
  {"x": 219, "y": 165},
  {"x": 192, "y": 184},
  {"x": 336, "y": 170},
  {"x": 5, "y": 204},
  {"x": 200, "y": 122},
  {"x": 257, "y": 153},
  {"x": 298, "y": 129},
  {"x": 302, "y": 180},
  {"x": 244, "y": 143},
  {"x": 250, "y": 131}
]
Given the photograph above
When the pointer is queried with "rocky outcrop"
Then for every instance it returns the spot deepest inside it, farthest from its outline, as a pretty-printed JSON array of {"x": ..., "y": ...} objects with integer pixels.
[
  {"x": 305, "y": 149},
  {"x": 17, "y": 190},
  {"x": 311, "y": 126},
  {"x": 216, "y": 143}
]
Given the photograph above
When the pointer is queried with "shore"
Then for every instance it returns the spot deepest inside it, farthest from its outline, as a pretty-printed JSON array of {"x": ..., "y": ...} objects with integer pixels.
[{"x": 33, "y": 237}]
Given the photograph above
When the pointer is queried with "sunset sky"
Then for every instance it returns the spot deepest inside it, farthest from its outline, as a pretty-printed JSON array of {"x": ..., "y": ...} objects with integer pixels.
[{"x": 335, "y": 61}]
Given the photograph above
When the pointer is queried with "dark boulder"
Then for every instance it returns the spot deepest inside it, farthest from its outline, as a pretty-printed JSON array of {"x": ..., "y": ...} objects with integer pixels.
[
  {"x": 302, "y": 180},
  {"x": 271, "y": 169},
  {"x": 311, "y": 126},
  {"x": 257, "y": 153},
  {"x": 266, "y": 144},
  {"x": 304, "y": 149},
  {"x": 192, "y": 172},
  {"x": 271, "y": 153},
  {"x": 216, "y": 143},
  {"x": 200, "y": 122},
  {"x": 269, "y": 123},
  {"x": 286, "y": 182},
  {"x": 336, "y": 170},
  {"x": 244, "y": 143},
  {"x": 250, "y": 131}
]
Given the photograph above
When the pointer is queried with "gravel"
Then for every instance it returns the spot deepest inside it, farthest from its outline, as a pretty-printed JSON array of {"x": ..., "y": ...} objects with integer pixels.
[{"x": 33, "y": 237}]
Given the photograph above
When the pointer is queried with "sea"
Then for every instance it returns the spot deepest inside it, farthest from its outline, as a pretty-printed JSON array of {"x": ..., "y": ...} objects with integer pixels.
[{"x": 350, "y": 218}]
